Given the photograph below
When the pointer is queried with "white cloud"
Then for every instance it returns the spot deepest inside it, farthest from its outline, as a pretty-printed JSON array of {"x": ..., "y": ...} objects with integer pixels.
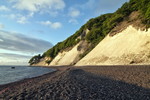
[
  {"x": 13, "y": 56},
  {"x": 54, "y": 25},
  {"x": 38, "y": 5},
  {"x": 22, "y": 43},
  {"x": 73, "y": 21},
  {"x": 2, "y": 26},
  {"x": 31, "y": 14},
  {"x": 15, "y": 59},
  {"x": 22, "y": 20},
  {"x": 46, "y": 23},
  {"x": 74, "y": 12},
  {"x": 4, "y": 8},
  {"x": 11, "y": 16},
  {"x": 1, "y": 40}
]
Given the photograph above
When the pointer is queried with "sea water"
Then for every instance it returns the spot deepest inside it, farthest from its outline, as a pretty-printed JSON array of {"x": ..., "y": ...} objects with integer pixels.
[{"x": 10, "y": 74}]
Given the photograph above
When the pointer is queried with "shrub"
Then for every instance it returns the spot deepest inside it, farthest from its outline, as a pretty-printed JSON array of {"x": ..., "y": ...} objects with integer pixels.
[{"x": 48, "y": 61}]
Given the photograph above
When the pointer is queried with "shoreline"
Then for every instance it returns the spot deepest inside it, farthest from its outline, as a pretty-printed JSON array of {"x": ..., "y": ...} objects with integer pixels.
[
  {"x": 30, "y": 77},
  {"x": 26, "y": 80},
  {"x": 2, "y": 86},
  {"x": 71, "y": 83}
]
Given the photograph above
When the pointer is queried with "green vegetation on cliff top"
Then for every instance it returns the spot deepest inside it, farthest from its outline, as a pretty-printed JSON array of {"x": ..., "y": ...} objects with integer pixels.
[{"x": 99, "y": 27}]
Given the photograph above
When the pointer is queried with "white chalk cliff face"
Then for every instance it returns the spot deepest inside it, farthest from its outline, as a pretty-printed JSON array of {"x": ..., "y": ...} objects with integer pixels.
[
  {"x": 131, "y": 46},
  {"x": 70, "y": 57},
  {"x": 42, "y": 62}
]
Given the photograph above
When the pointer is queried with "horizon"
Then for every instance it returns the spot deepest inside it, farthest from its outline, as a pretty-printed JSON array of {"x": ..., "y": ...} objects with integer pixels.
[{"x": 30, "y": 27}]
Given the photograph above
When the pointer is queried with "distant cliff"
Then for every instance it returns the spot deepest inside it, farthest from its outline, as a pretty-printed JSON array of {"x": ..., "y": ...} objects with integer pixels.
[{"x": 121, "y": 37}]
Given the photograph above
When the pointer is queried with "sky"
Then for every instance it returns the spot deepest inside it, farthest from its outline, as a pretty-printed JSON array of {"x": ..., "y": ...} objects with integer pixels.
[{"x": 30, "y": 27}]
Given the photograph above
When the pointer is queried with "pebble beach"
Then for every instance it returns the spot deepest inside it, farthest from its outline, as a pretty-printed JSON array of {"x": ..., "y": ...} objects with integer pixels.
[{"x": 83, "y": 83}]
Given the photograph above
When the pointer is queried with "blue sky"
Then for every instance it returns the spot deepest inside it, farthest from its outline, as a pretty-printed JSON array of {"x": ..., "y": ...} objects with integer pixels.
[{"x": 29, "y": 27}]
